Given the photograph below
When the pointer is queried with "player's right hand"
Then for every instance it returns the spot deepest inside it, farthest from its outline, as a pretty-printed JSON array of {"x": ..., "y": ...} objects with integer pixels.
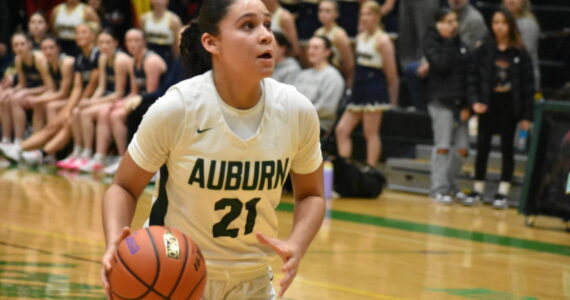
[{"x": 108, "y": 257}]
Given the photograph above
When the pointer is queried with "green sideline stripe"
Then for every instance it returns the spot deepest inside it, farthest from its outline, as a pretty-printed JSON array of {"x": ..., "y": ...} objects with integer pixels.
[{"x": 443, "y": 231}]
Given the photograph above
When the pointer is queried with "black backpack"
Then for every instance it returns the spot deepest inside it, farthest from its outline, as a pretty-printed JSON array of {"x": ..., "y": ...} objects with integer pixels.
[{"x": 354, "y": 180}]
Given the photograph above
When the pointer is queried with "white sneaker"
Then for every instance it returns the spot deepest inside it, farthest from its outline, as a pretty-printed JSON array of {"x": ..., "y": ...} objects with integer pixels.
[
  {"x": 500, "y": 202},
  {"x": 444, "y": 198},
  {"x": 91, "y": 166},
  {"x": 112, "y": 168},
  {"x": 33, "y": 157},
  {"x": 11, "y": 152}
]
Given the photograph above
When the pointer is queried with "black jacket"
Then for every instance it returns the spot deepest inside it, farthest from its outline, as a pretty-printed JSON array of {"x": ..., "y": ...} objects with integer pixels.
[
  {"x": 522, "y": 78},
  {"x": 449, "y": 63}
]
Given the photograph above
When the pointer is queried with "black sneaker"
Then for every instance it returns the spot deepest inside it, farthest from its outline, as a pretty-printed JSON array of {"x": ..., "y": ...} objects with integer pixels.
[
  {"x": 500, "y": 202},
  {"x": 471, "y": 198}
]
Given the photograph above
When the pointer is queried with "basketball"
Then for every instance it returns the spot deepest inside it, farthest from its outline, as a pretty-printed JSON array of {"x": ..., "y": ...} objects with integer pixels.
[{"x": 158, "y": 262}]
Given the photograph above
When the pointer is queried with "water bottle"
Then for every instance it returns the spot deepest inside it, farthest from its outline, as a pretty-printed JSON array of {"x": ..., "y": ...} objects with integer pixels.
[
  {"x": 328, "y": 179},
  {"x": 521, "y": 141}
]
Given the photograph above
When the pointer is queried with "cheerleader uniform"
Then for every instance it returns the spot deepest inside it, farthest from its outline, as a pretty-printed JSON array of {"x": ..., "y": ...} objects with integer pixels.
[{"x": 369, "y": 92}]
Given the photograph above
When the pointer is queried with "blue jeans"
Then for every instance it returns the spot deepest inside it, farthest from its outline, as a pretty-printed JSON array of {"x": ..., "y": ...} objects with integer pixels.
[{"x": 416, "y": 86}]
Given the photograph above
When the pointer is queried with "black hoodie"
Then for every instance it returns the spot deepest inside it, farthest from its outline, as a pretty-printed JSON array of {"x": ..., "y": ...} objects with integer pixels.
[{"x": 449, "y": 62}]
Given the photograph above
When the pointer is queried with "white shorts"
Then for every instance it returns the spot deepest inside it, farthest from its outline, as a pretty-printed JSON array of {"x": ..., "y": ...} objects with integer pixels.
[{"x": 259, "y": 288}]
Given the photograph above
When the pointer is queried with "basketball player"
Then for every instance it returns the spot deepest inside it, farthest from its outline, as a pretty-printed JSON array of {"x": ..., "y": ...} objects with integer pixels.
[{"x": 225, "y": 141}]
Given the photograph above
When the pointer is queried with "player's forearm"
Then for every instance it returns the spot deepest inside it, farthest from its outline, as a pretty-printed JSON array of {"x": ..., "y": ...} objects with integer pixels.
[
  {"x": 118, "y": 210},
  {"x": 308, "y": 217}
]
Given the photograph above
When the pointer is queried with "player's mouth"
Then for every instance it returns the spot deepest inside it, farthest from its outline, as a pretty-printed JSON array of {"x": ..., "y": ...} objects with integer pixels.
[{"x": 267, "y": 55}]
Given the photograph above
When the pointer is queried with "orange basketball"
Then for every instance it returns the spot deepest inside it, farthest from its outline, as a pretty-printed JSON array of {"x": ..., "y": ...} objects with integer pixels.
[{"x": 158, "y": 262}]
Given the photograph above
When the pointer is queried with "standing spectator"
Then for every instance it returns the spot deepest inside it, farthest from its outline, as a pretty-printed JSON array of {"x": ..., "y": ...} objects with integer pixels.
[
  {"x": 415, "y": 17},
  {"x": 502, "y": 93},
  {"x": 530, "y": 31},
  {"x": 160, "y": 27},
  {"x": 283, "y": 21},
  {"x": 342, "y": 56},
  {"x": 286, "y": 67},
  {"x": 472, "y": 28},
  {"x": 375, "y": 83},
  {"x": 321, "y": 83},
  {"x": 448, "y": 107},
  {"x": 64, "y": 20}
]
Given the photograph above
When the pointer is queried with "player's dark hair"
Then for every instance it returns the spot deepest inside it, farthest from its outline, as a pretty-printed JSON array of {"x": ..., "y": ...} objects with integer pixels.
[
  {"x": 328, "y": 45},
  {"x": 195, "y": 58}
]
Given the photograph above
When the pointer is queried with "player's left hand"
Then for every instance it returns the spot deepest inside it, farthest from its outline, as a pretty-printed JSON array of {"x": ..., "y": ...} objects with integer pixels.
[{"x": 291, "y": 255}]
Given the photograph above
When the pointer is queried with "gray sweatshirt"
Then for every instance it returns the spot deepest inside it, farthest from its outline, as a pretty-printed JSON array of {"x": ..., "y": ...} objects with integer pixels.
[
  {"x": 472, "y": 28},
  {"x": 286, "y": 71},
  {"x": 530, "y": 33},
  {"x": 324, "y": 88}
]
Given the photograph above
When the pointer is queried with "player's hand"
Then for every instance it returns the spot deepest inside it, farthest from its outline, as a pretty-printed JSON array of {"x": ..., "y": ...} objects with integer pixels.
[
  {"x": 107, "y": 258},
  {"x": 291, "y": 255},
  {"x": 479, "y": 108}
]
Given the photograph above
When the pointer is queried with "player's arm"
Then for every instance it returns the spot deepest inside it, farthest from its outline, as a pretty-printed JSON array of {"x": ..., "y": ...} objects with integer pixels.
[
  {"x": 118, "y": 208},
  {"x": 386, "y": 49},
  {"x": 153, "y": 68}
]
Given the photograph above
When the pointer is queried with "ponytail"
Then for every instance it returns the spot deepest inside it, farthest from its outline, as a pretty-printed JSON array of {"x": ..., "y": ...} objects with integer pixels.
[{"x": 194, "y": 57}]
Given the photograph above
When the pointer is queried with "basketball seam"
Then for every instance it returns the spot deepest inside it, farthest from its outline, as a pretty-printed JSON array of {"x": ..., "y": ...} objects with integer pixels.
[
  {"x": 198, "y": 284},
  {"x": 157, "y": 263},
  {"x": 182, "y": 269},
  {"x": 149, "y": 288}
]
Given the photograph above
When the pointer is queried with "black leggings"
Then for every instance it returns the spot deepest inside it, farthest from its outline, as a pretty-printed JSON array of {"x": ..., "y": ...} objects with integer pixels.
[{"x": 499, "y": 119}]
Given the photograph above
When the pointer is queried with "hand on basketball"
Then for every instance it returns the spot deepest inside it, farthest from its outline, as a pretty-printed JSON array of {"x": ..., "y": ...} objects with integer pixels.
[
  {"x": 479, "y": 108},
  {"x": 289, "y": 253},
  {"x": 108, "y": 256}
]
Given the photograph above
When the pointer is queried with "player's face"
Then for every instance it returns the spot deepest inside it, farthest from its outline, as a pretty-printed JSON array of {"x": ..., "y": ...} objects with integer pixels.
[
  {"x": 327, "y": 12},
  {"x": 21, "y": 45},
  {"x": 244, "y": 44},
  {"x": 49, "y": 49},
  {"x": 37, "y": 25},
  {"x": 500, "y": 26},
  {"x": 134, "y": 42},
  {"x": 159, "y": 3},
  {"x": 84, "y": 36},
  {"x": 106, "y": 44},
  {"x": 317, "y": 53},
  {"x": 368, "y": 19}
]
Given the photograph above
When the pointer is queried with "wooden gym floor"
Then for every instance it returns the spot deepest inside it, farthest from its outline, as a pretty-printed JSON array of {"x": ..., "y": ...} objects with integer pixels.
[{"x": 401, "y": 246}]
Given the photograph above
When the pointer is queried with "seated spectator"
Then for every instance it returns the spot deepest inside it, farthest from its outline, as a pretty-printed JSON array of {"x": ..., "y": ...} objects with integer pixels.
[
  {"x": 148, "y": 69},
  {"x": 38, "y": 28},
  {"x": 530, "y": 32},
  {"x": 342, "y": 57},
  {"x": 60, "y": 68},
  {"x": 115, "y": 75},
  {"x": 33, "y": 79},
  {"x": 448, "y": 107},
  {"x": 286, "y": 67},
  {"x": 376, "y": 84},
  {"x": 321, "y": 83}
]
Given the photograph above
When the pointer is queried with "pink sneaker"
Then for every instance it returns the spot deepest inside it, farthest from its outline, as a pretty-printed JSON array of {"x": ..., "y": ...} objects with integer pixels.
[
  {"x": 65, "y": 163},
  {"x": 78, "y": 163},
  {"x": 91, "y": 166}
]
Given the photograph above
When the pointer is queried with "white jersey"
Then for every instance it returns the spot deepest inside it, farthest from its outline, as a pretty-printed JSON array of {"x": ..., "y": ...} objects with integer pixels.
[
  {"x": 66, "y": 22},
  {"x": 366, "y": 50},
  {"x": 217, "y": 188},
  {"x": 158, "y": 32}
]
